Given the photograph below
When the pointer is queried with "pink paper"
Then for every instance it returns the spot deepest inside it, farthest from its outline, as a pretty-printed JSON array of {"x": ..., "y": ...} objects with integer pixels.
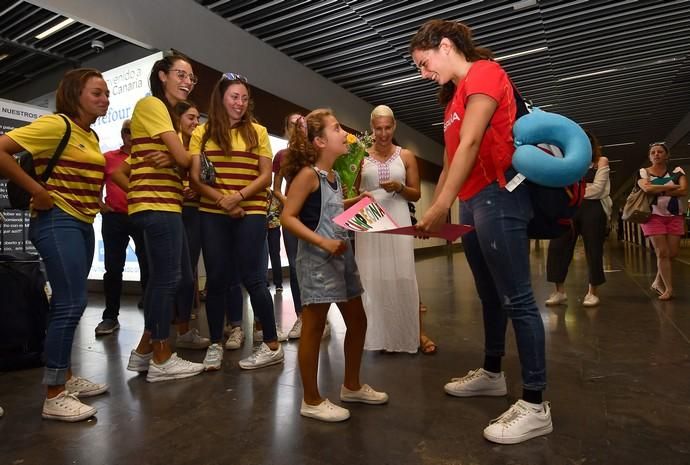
[{"x": 368, "y": 216}]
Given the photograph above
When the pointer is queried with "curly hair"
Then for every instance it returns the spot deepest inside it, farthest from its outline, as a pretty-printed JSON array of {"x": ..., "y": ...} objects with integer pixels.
[
  {"x": 218, "y": 125},
  {"x": 301, "y": 151},
  {"x": 429, "y": 37}
]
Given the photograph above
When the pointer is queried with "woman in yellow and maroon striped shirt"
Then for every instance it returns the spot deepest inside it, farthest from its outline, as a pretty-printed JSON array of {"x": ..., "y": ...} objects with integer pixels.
[
  {"x": 63, "y": 209},
  {"x": 233, "y": 214},
  {"x": 155, "y": 206}
]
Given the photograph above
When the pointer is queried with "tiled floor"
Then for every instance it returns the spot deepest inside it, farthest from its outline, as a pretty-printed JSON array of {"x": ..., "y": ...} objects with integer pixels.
[{"x": 619, "y": 386}]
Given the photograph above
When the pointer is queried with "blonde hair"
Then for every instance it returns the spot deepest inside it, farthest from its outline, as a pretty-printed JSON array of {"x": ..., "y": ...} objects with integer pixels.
[{"x": 382, "y": 111}]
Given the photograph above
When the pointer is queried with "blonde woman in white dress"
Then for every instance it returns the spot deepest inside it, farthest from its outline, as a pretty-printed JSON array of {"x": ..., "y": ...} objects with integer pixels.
[{"x": 386, "y": 262}]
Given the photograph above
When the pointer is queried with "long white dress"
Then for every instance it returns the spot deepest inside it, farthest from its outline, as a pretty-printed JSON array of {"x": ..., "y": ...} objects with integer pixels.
[{"x": 386, "y": 266}]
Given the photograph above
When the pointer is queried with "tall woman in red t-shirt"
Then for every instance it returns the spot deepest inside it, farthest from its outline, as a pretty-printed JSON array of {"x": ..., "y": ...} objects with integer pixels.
[{"x": 479, "y": 116}]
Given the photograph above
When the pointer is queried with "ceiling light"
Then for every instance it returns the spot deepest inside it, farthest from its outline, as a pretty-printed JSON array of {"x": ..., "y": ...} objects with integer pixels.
[
  {"x": 524, "y": 4},
  {"x": 54, "y": 29},
  {"x": 595, "y": 73},
  {"x": 614, "y": 161},
  {"x": 3, "y": 56},
  {"x": 678, "y": 159},
  {"x": 617, "y": 145},
  {"x": 398, "y": 81},
  {"x": 519, "y": 54},
  {"x": 440, "y": 123}
]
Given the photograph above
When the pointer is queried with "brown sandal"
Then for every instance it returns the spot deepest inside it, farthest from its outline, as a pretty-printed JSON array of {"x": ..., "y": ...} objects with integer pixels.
[{"x": 427, "y": 346}]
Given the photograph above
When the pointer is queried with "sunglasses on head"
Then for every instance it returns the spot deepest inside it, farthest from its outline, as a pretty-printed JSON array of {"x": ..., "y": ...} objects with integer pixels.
[{"x": 235, "y": 77}]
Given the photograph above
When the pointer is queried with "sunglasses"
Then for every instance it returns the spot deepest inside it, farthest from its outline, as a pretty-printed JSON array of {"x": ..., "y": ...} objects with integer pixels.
[
  {"x": 182, "y": 75},
  {"x": 235, "y": 77}
]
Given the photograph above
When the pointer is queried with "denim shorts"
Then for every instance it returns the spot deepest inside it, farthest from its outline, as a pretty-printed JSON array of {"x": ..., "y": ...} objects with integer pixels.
[{"x": 325, "y": 278}]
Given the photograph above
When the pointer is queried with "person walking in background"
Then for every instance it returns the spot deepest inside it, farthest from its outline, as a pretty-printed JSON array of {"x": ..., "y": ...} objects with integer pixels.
[
  {"x": 666, "y": 227},
  {"x": 233, "y": 217},
  {"x": 325, "y": 262},
  {"x": 479, "y": 117},
  {"x": 275, "y": 206},
  {"x": 61, "y": 227},
  {"x": 386, "y": 262},
  {"x": 591, "y": 222}
]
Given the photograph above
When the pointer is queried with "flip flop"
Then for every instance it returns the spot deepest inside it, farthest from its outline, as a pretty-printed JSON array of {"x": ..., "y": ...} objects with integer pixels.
[{"x": 427, "y": 346}]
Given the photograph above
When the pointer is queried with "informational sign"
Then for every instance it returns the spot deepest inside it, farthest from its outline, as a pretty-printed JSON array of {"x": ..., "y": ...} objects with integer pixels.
[{"x": 15, "y": 223}]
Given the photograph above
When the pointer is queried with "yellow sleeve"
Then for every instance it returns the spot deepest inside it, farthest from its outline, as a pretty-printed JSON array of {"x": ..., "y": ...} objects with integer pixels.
[
  {"x": 153, "y": 116},
  {"x": 264, "y": 143},
  {"x": 41, "y": 136},
  {"x": 195, "y": 141}
]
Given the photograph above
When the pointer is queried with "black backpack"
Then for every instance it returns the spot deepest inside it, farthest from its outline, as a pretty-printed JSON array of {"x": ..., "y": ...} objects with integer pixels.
[
  {"x": 18, "y": 197},
  {"x": 553, "y": 207}
]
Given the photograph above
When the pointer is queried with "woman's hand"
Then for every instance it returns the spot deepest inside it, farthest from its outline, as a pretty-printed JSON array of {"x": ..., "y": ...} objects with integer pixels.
[
  {"x": 237, "y": 212},
  {"x": 392, "y": 186},
  {"x": 42, "y": 200},
  {"x": 229, "y": 201},
  {"x": 433, "y": 219},
  {"x": 334, "y": 246},
  {"x": 190, "y": 194},
  {"x": 162, "y": 159}
]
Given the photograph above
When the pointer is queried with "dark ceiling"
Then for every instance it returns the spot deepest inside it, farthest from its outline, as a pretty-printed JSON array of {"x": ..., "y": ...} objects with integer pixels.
[{"x": 633, "y": 55}]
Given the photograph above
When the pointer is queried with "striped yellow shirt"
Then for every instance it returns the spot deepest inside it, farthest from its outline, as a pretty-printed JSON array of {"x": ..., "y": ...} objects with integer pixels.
[
  {"x": 75, "y": 184},
  {"x": 234, "y": 170},
  {"x": 151, "y": 188}
]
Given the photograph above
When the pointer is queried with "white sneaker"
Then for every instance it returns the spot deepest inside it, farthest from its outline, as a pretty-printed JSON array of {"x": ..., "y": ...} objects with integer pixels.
[
  {"x": 214, "y": 357},
  {"x": 139, "y": 362},
  {"x": 173, "y": 368},
  {"x": 325, "y": 411},
  {"x": 520, "y": 423},
  {"x": 235, "y": 338},
  {"x": 296, "y": 331},
  {"x": 263, "y": 357},
  {"x": 477, "y": 383},
  {"x": 365, "y": 395},
  {"x": 66, "y": 407},
  {"x": 192, "y": 340},
  {"x": 259, "y": 335},
  {"x": 590, "y": 300},
  {"x": 82, "y": 387},
  {"x": 557, "y": 298},
  {"x": 326, "y": 330}
]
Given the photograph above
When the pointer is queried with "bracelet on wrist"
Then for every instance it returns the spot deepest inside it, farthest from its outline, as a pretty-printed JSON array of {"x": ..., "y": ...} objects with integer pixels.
[{"x": 241, "y": 195}]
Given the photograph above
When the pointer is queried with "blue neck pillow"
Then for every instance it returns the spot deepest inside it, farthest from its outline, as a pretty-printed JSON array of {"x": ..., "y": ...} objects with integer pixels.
[{"x": 540, "y": 127}]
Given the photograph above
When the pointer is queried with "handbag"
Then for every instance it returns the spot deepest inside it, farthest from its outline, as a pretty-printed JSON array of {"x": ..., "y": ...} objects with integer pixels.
[
  {"x": 208, "y": 171},
  {"x": 637, "y": 208}
]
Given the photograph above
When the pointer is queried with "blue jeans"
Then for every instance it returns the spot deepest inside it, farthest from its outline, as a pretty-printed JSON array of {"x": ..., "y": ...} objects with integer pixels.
[
  {"x": 116, "y": 230},
  {"x": 171, "y": 284},
  {"x": 290, "y": 242},
  {"x": 498, "y": 254},
  {"x": 274, "y": 253},
  {"x": 66, "y": 246},
  {"x": 234, "y": 253},
  {"x": 192, "y": 227}
]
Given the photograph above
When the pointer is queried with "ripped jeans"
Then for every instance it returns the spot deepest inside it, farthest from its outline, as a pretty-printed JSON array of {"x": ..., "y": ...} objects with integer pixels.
[{"x": 498, "y": 254}]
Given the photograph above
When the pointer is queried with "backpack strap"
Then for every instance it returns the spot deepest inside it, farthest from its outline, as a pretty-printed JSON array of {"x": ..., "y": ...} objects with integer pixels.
[{"x": 58, "y": 151}]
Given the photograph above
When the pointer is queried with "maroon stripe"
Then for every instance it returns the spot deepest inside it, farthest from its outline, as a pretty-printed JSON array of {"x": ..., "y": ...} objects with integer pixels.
[
  {"x": 147, "y": 140},
  {"x": 62, "y": 163},
  {"x": 154, "y": 200},
  {"x": 83, "y": 207},
  {"x": 232, "y": 176},
  {"x": 234, "y": 153},
  {"x": 254, "y": 209},
  {"x": 151, "y": 188},
  {"x": 76, "y": 178},
  {"x": 235, "y": 165},
  {"x": 156, "y": 176},
  {"x": 146, "y": 153},
  {"x": 76, "y": 192}
]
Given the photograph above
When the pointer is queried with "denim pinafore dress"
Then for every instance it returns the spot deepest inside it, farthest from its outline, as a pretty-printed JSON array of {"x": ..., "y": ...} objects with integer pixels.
[{"x": 322, "y": 277}]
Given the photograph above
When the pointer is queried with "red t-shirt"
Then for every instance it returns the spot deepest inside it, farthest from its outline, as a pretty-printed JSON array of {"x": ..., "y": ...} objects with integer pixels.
[
  {"x": 115, "y": 197},
  {"x": 496, "y": 149}
]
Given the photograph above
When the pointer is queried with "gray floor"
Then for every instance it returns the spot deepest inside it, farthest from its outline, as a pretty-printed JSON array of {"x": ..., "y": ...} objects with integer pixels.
[{"x": 619, "y": 386}]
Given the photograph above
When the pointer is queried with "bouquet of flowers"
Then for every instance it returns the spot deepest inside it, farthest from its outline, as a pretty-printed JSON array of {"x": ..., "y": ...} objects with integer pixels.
[{"x": 348, "y": 165}]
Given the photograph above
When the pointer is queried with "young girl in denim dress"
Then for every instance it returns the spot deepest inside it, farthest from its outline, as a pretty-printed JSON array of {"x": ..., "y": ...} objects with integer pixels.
[{"x": 326, "y": 267}]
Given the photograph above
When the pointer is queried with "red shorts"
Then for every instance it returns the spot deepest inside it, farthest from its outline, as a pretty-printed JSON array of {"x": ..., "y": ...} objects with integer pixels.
[{"x": 661, "y": 225}]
